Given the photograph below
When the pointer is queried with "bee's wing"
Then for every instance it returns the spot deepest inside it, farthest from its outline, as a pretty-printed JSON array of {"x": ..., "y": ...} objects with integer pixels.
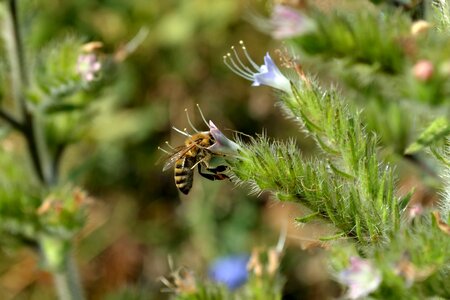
[{"x": 179, "y": 152}]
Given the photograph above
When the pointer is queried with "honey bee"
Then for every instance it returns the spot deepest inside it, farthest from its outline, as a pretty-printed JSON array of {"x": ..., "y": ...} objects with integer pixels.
[{"x": 193, "y": 153}]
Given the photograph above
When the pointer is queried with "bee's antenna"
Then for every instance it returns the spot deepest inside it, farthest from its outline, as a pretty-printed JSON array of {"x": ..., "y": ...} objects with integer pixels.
[
  {"x": 163, "y": 150},
  {"x": 180, "y": 131},
  {"x": 201, "y": 114},
  {"x": 189, "y": 120},
  {"x": 169, "y": 145}
]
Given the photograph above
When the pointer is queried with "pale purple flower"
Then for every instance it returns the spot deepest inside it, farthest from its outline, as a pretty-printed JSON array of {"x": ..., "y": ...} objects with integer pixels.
[
  {"x": 88, "y": 66},
  {"x": 415, "y": 211},
  {"x": 223, "y": 145},
  {"x": 287, "y": 22},
  {"x": 361, "y": 278},
  {"x": 266, "y": 74},
  {"x": 230, "y": 270}
]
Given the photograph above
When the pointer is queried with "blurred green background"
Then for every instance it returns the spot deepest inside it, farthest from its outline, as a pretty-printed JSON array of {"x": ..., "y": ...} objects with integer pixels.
[{"x": 139, "y": 219}]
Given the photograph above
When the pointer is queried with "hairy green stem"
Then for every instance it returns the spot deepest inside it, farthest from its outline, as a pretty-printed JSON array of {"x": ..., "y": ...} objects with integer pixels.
[
  {"x": 19, "y": 82},
  {"x": 31, "y": 125}
]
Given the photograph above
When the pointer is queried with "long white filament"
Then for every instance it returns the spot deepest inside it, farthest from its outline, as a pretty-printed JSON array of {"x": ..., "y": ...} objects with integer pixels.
[
  {"x": 201, "y": 114},
  {"x": 237, "y": 66},
  {"x": 189, "y": 121},
  {"x": 181, "y": 132}
]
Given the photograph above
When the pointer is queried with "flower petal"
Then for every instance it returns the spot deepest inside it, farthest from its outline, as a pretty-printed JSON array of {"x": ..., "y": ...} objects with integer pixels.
[
  {"x": 223, "y": 145},
  {"x": 270, "y": 75},
  {"x": 230, "y": 270}
]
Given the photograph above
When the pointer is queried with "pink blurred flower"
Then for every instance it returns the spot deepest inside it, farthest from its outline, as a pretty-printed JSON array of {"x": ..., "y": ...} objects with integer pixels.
[
  {"x": 88, "y": 66},
  {"x": 287, "y": 22},
  {"x": 423, "y": 70},
  {"x": 415, "y": 210},
  {"x": 361, "y": 277}
]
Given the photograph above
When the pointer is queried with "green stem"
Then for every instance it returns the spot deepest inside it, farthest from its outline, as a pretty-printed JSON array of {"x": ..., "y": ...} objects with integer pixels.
[
  {"x": 38, "y": 134},
  {"x": 58, "y": 259},
  {"x": 68, "y": 282},
  {"x": 33, "y": 148},
  {"x": 14, "y": 49},
  {"x": 11, "y": 120}
]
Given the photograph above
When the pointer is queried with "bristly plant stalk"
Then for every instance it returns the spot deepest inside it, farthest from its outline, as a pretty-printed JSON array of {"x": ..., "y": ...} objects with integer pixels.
[
  {"x": 21, "y": 119},
  {"x": 31, "y": 126}
]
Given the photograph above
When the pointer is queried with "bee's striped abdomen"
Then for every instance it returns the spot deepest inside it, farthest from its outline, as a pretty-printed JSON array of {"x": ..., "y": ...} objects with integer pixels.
[{"x": 184, "y": 174}]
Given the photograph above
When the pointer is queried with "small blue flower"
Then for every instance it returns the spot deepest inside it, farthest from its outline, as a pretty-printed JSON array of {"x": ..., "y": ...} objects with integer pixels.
[
  {"x": 270, "y": 75},
  {"x": 230, "y": 270},
  {"x": 267, "y": 74}
]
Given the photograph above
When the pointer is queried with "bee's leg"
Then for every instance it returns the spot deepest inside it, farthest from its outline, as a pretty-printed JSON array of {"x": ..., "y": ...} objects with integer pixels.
[
  {"x": 218, "y": 169},
  {"x": 215, "y": 176},
  {"x": 204, "y": 161}
]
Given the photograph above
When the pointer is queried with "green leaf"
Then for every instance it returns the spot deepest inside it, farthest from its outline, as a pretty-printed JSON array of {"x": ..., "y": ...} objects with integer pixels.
[
  {"x": 332, "y": 237},
  {"x": 438, "y": 129},
  {"x": 404, "y": 201},
  {"x": 440, "y": 157},
  {"x": 307, "y": 218},
  {"x": 62, "y": 107}
]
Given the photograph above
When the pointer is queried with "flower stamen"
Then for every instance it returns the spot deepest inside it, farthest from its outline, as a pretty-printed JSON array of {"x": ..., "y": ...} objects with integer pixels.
[
  {"x": 246, "y": 68},
  {"x": 244, "y": 49},
  {"x": 267, "y": 74},
  {"x": 235, "y": 68},
  {"x": 201, "y": 114},
  {"x": 189, "y": 121},
  {"x": 181, "y": 131},
  {"x": 169, "y": 145},
  {"x": 164, "y": 150}
]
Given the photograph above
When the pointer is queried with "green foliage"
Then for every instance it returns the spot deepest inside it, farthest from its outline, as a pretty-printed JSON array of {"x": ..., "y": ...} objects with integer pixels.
[
  {"x": 443, "y": 157},
  {"x": 18, "y": 210},
  {"x": 437, "y": 130},
  {"x": 414, "y": 264},
  {"x": 385, "y": 63},
  {"x": 363, "y": 38},
  {"x": 55, "y": 71},
  {"x": 26, "y": 217},
  {"x": 371, "y": 54},
  {"x": 347, "y": 183},
  {"x": 349, "y": 187}
]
